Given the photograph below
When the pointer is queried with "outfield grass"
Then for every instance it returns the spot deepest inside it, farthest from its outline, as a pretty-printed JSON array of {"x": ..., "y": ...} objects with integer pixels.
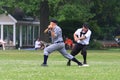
[{"x": 25, "y": 65}]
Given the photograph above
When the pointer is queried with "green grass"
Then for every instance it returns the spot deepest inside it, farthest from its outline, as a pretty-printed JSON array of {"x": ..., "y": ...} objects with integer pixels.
[{"x": 25, "y": 65}]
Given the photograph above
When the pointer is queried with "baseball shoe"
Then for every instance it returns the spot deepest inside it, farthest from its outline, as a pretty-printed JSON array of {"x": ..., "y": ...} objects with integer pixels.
[
  {"x": 85, "y": 65},
  {"x": 80, "y": 64},
  {"x": 68, "y": 64},
  {"x": 44, "y": 65}
]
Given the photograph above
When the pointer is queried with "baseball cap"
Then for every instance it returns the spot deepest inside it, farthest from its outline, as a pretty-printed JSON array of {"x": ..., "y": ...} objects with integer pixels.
[
  {"x": 54, "y": 21},
  {"x": 85, "y": 25}
]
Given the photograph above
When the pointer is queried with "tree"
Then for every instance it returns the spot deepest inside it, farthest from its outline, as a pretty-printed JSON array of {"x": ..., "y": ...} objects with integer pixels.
[
  {"x": 44, "y": 19},
  {"x": 107, "y": 13},
  {"x": 102, "y": 15},
  {"x": 71, "y": 14}
]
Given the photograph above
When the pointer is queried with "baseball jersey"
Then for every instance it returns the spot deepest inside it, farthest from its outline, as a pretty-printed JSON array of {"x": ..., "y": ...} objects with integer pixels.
[
  {"x": 80, "y": 33},
  {"x": 58, "y": 34}
]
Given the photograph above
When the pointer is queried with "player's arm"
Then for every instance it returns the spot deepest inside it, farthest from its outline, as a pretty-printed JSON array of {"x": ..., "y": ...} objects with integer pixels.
[
  {"x": 50, "y": 28},
  {"x": 75, "y": 37},
  {"x": 82, "y": 38},
  {"x": 88, "y": 34},
  {"x": 47, "y": 29}
]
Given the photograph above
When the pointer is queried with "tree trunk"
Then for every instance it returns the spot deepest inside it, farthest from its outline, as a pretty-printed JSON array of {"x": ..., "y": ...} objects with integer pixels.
[{"x": 44, "y": 20}]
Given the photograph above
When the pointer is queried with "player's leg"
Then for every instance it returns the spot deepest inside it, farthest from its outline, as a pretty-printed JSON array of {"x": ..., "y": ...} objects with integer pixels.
[
  {"x": 47, "y": 51},
  {"x": 76, "y": 49},
  {"x": 84, "y": 54},
  {"x": 69, "y": 56}
]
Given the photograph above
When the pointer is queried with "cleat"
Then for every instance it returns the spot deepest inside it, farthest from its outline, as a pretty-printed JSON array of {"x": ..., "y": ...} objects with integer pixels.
[
  {"x": 85, "y": 65},
  {"x": 80, "y": 64},
  {"x": 68, "y": 64}
]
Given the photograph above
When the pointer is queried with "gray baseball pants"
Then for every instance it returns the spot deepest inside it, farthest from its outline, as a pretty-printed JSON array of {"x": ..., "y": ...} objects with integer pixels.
[{"x": 59, "y": 47}]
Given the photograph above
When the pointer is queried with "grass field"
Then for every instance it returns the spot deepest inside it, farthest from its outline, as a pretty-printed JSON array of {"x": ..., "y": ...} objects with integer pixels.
[{"x": 25, "y": 65}]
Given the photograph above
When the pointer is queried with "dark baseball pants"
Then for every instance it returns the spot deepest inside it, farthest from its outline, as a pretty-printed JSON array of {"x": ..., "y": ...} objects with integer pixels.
[{"x": 77, "y": 48}]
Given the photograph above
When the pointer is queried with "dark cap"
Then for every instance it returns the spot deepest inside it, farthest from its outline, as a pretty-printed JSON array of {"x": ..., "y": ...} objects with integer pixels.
[
  {"x": 86, "y": 25},
  {"x": 54, "y": 21}
]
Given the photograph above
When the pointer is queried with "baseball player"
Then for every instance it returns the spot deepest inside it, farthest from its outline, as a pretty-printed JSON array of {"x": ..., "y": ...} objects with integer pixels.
[
  {"x": 82, "y": 37},
  {"x": 57, "y": 43}
]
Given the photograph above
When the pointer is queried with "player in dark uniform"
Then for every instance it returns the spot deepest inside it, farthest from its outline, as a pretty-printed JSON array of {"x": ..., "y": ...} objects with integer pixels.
[{"x": 82, "y": 37}]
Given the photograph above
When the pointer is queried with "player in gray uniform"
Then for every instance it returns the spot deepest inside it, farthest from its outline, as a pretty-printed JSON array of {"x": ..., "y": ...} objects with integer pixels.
[{"x": 57, "y": 43}]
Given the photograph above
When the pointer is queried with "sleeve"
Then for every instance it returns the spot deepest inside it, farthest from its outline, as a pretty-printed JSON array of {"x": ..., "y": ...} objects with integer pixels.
[
  {"x": 88, "y": 34},
  {"x": 77, "y": 32}
]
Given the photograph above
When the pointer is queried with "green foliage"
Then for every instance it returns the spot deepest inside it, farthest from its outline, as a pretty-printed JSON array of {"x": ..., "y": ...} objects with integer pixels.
[
  {"x": 30, "y": 7},
  {"x": 96, "y": 30},
  {"x": 71, "y": 10},
  {"x": 94, "y": 44},
  {"x": 108, "y": 33},
  {"x": 69, "y": 27},
  {"x": 107, "y": 16}
]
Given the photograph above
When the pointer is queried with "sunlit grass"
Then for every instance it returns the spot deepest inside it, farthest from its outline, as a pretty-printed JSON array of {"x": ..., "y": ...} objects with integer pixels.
[{"x": 25, "y": 65}]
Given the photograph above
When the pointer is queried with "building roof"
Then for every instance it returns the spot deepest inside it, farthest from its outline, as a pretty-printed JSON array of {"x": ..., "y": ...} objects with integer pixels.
[{"x": 9, "y": 19}]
